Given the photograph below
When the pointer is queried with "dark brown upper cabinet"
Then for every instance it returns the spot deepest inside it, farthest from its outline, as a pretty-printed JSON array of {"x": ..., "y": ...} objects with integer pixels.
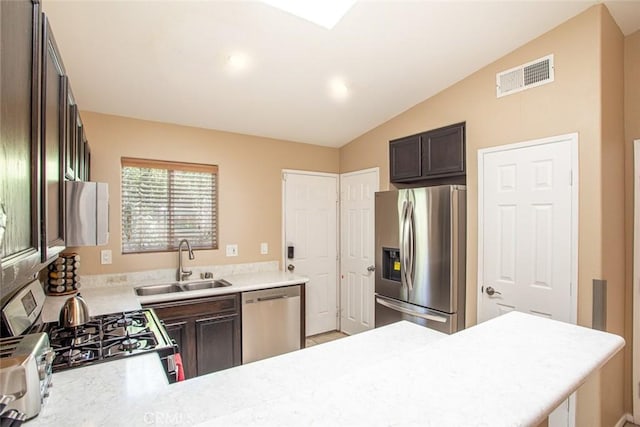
[
  {"x": 19, "y": 132},
  {"x": 80, "y": 146},
  {"x": 86, "y": 173},
  {"x": 71, "y": 149},
  {"x": 54, "y": 101},
  {"x": 404, "y": 159},
  {"x": 436, "y": 154},
  {"x": 78, "y": 152},
  {"x": 443, "y": 151}
]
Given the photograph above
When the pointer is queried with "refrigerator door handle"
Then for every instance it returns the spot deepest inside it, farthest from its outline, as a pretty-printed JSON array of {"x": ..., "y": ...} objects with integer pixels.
[
  {"x": 458, "y": 239},
  {"x": 403, "y": 244},
  {"x": 410, "y": 312},
  {"x": 411, "y": 245}
]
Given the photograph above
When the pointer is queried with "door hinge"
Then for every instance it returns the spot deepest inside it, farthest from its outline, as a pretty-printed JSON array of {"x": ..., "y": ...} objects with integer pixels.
[
  {"x": 284, "y": 176},
  {"x": 570, "y": 178}
]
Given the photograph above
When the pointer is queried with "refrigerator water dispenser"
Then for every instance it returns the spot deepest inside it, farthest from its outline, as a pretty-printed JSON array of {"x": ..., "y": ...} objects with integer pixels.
[{"x": 391, "y": 264}]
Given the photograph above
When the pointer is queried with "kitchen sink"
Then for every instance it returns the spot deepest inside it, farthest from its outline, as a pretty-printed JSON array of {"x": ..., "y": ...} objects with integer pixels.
[
  {"x": 209, "y": 284},
  {"x": 180, "y": 287},
  {"x": 158, "y": 289}
]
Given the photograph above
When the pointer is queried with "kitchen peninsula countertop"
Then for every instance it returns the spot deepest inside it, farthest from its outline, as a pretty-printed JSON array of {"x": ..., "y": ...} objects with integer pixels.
[{"x": 509, "y": 371}]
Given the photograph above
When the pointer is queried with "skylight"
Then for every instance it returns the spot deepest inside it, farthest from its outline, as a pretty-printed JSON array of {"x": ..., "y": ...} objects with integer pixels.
[{"x": 326, "y": 13}]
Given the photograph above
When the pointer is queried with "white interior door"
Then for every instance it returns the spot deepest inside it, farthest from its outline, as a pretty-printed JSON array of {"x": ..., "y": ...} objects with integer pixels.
[
  {"x": 636, "y": 287},
  {"x": 310, "y": 226},
  {"x": 527, "y": 228},
  {"x": 357, "y": 228}
]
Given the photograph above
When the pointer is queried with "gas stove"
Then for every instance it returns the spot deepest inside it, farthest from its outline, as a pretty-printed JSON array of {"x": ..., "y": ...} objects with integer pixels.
[
  {"x": 109, "y": 337},
  {"x": 103, "y": 338}
]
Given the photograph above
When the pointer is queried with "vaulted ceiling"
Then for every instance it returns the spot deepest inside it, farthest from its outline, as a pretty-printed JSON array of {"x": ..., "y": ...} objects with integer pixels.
[{"x": 245, "y": 67}]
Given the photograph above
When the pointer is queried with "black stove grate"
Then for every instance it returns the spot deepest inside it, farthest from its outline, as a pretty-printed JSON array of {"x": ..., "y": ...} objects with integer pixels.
[{"x": 106, "y": 337}]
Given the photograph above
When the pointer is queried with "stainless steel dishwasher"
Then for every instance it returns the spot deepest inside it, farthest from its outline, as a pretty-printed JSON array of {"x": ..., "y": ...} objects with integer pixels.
[{"x": 270, "y": 322}]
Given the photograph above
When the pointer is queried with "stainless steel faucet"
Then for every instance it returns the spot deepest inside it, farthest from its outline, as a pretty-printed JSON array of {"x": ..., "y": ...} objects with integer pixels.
[{"x": 182, "y": 274}]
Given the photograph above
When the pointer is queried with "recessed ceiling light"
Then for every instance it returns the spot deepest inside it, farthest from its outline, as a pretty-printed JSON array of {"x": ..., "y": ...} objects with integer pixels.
[
  {"x": 325, "y": 13},
  {"x": 338, "y": 88},
  {"x": 238, "y": 61}
]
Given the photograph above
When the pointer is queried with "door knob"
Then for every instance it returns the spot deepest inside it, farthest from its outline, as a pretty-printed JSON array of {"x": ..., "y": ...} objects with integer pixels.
[
  {"x": 371, "y": 268},
  {"x": 491, "y": 291},
  {"x": 291, "y": 267}
]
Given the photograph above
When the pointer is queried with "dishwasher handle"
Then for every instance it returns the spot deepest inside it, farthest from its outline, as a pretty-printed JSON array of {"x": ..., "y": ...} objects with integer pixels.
[
  {"x": 273, "y": 294},
  {"x": 269, "y": 298}
]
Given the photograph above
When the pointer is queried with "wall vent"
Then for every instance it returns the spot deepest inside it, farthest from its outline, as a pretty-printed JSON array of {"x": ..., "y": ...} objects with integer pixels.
[{"x": 525, "y": 76}]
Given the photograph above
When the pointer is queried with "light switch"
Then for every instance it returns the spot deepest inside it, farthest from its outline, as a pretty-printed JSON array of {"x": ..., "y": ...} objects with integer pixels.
[
  {"x": 105, "y": 256},
  {"x": 232, "y": 250},
  {"x": 264, "y": 248}
]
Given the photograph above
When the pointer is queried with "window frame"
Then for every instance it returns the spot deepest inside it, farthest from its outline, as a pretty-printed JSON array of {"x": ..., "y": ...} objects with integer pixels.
[{"x": 171, "y": 166}]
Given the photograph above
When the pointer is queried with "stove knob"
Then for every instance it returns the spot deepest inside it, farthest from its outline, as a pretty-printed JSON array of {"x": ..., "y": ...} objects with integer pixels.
[
  {"x": 49, "y": 355},
  {"x": 42, "y": 371}
]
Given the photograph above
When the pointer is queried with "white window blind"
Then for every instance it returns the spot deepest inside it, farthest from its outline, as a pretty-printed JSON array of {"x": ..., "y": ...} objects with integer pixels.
[{"x": 165, "y": 202}]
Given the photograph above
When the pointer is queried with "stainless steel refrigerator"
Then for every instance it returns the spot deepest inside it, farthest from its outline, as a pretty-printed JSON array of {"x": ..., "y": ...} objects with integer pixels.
[{"x": 421, "y": 256}]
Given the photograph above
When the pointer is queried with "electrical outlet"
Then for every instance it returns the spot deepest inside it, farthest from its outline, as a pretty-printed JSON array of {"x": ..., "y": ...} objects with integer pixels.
[
  {"x": 105, "y": 256},
  {"x": 232, "y": 250},
  {"x": 264, "y": 248}
]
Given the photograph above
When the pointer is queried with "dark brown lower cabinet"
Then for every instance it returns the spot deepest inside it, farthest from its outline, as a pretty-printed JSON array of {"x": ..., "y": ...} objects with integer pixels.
[
  {"x": 216, "y": 330},
  {"x": 206, "y": 330}
]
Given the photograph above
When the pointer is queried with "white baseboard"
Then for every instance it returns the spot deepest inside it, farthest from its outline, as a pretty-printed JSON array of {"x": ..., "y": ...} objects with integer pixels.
[{"x": 626, "y": 418}]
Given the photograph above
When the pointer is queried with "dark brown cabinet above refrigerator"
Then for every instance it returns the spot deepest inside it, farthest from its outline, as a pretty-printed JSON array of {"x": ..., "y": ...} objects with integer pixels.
[
  {"x": 404, "y": 159},
  {"x": 435, "y": 154}
]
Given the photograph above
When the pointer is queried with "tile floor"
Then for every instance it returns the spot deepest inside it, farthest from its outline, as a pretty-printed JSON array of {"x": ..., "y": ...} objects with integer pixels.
[{"x": 324, "y": 337}]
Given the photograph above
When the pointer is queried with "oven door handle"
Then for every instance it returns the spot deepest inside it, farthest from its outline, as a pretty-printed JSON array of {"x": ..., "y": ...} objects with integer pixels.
[{"x": 171, "y": 362}]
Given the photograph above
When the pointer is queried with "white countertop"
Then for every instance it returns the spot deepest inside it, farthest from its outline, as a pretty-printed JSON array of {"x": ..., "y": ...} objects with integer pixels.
[
  {"x": 105, "y": 394},
  {"x": 99, "y": 300},
  {"x": 112, "y": 299},
  {"x": 510, "y": 371},
  {"x": 239, "y": 283}
]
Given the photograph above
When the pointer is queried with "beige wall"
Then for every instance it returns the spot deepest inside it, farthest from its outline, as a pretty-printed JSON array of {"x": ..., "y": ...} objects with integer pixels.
[
  {"x": 612, "y": 173},
  {"x": 574, "y": 102},
  {"x": 569, "y": 104},
  {"x": 632, "y": 132},
  {"x": 249, "y": 190}
]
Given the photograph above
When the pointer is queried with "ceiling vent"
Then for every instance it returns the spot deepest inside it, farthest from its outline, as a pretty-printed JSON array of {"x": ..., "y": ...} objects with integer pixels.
[{"x": 525, "y": 76}]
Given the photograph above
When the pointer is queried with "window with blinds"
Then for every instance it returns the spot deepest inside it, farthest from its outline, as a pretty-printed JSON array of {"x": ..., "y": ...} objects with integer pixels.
[{"x": 165, "y": 202}]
